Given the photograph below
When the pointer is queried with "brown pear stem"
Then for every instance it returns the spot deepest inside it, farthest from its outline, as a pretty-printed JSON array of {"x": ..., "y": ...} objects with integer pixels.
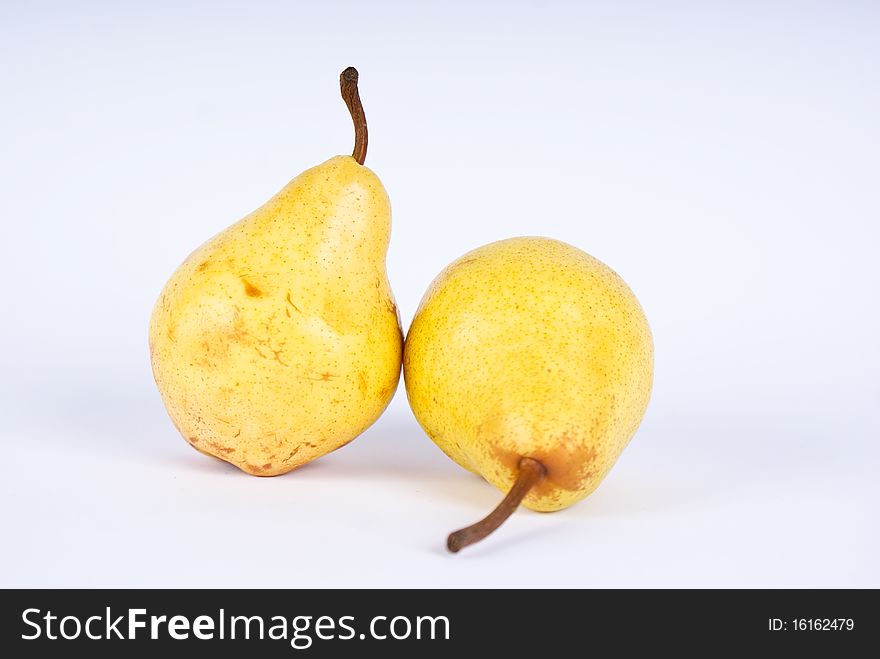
[
  {"x": 531, "y": 472},
  {"x": 348, "y": 84}
]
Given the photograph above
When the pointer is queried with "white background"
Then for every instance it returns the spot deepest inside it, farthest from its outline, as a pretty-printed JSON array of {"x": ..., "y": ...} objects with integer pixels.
[{"x": 722, "y": 157}]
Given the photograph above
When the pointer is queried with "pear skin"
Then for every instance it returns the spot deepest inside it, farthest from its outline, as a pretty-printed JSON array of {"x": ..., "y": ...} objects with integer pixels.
[
  {"x": 530, "y": 349},
  {"x": 278, "y": 340}
]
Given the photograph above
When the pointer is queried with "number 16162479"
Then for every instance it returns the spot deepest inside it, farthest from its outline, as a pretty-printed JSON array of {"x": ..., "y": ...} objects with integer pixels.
[{"x": 811, "y": 624}]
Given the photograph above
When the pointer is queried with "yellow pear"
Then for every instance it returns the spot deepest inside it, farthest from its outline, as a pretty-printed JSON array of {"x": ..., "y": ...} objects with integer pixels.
[
  {"x": 278, "y": 340},
  {"x": 530, "y": 363}
]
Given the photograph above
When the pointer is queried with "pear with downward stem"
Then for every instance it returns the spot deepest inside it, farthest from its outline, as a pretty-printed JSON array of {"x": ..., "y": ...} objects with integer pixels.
[{"x": 530, "y": 363}]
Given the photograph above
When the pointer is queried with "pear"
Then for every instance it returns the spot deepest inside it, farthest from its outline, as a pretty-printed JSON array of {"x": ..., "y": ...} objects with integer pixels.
[
  {"x": 530, "y": 363},
  {"x": 278, "y": 340}
]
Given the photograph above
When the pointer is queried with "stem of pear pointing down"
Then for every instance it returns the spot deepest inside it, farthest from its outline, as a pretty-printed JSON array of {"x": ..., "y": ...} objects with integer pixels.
[
  {"x": 531, "y": 472},
  {"x": 348, "y": 84}
]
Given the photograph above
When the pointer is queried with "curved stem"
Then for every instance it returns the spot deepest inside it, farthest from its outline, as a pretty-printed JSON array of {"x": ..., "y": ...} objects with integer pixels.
[
  {"x": 348, "y": 85},
  {"x": 531, "y": 472}
]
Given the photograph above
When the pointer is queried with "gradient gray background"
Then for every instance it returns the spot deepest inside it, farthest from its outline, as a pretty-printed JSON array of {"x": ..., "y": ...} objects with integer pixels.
[{"x": 722, "y": 157}]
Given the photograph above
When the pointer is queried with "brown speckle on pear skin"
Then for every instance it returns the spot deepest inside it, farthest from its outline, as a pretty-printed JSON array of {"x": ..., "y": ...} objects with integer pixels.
[
  {"x": 290, "y": 302},
  {"x": 250, "y": 290}
]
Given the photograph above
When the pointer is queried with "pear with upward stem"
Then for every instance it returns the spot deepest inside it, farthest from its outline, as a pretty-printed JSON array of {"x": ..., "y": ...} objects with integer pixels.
[{"x": 278, "y": 340}]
